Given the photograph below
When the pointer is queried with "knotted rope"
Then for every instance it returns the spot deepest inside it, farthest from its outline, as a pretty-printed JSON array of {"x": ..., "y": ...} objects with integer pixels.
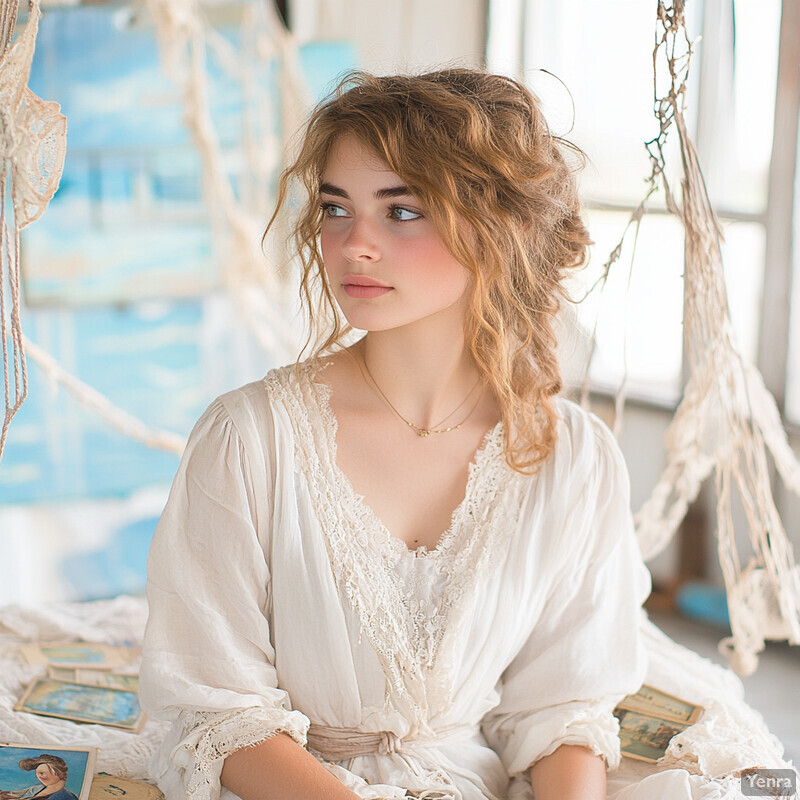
[
  {"x": 32, "y": 147},
  {"x": 727, "y": 421}
]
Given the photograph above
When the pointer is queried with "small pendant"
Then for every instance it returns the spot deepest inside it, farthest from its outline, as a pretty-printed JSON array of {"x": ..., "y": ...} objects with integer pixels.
[{"x": 423, "y": 432}]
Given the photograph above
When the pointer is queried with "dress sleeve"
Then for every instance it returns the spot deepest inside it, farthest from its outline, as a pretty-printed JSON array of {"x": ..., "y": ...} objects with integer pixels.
[
  {"x": 584, "y": 652},
  {"x": 208, "y": 662}
]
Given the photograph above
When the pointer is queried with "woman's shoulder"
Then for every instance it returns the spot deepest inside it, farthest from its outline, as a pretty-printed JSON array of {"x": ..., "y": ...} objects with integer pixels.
[
  {"x": 582, "y": 437},
  {"x": 291, "y": 377},
  {"x": 260, "y": 405},
  {"x": 576, "y": 422},
  {"x": 259, "y": 396}
]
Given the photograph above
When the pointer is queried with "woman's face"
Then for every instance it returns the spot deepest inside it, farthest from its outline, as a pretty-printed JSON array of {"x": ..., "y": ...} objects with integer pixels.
[
  {"x": 386, "y": 265},
  {"x": 46, "y": 775}
]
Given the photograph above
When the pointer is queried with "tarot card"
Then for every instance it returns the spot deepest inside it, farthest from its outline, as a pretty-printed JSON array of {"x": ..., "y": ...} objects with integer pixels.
[
  {"x": 28, "y": 769},
  {"x": 643, "y": 737},
  {"x": 660, "y": 704},
  {"x": 109, "y": 786},
  {"x": 86, "y": 655},
  {"x": 649, "y": 719},
  {"x": 95, "y": 677},
  {"x": 81, "y": 703}
]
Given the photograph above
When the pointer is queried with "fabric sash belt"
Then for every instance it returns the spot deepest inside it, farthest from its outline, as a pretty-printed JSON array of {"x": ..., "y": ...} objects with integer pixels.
[{"x": 341, "y": 744}]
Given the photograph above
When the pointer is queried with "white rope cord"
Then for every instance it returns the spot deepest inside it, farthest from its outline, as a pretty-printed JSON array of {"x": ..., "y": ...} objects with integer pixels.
[
  {"x": 32, "y": 147},
  {"x": 184, "y": 38},
  {"x": 634, "y": 222},
  {"x": 727, "y": 421},
  {"x": 99, "y": 404},
  {"x": 8, "y": 21},
  {"x": 17, "y": 372}
]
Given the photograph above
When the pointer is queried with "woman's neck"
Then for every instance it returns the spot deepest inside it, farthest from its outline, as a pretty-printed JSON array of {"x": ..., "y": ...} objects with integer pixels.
[{"x": 425, "y": 378}]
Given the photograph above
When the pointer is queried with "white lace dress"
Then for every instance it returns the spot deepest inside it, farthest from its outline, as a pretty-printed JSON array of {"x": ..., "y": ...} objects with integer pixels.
[{"x": 278, "y": 599}]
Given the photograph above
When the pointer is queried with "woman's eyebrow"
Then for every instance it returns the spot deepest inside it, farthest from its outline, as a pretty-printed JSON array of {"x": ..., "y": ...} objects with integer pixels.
[
  {"x": 381, "y": 194},
  {"x": 392, "y": 191}
]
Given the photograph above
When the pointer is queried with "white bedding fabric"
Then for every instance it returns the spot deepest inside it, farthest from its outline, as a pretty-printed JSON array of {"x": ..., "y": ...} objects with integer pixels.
[
  {"x": 119, "y": 621},
  {"x": 277, "y": 598}
]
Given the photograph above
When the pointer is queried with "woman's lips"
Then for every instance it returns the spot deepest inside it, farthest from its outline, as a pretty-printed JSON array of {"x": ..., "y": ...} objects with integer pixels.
[
  {"x": 362, "y": 287},
  {"x": 360, "y": 291}
]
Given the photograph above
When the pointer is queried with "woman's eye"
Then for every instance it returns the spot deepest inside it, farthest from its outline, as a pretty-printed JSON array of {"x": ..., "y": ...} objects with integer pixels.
[
  {"x": 332, "y": 210},
  {"x": 401, "y": 214}
]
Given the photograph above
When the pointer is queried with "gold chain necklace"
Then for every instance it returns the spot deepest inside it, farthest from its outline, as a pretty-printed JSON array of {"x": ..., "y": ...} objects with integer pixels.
[{"x": 420, "y": 431}]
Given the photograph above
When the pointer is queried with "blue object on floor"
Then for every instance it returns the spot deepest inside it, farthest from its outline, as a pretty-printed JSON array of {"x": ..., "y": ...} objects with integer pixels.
[{"x": 704, "y": 603}]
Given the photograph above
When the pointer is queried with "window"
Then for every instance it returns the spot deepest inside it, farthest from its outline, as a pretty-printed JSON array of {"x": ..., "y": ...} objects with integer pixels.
[{"x": 605, "y": 62}]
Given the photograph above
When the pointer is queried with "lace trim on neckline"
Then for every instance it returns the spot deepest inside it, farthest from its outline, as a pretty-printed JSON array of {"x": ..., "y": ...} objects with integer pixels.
[
  {"x": 364, "y": 555},
  {"x": 491, "y": 446}
]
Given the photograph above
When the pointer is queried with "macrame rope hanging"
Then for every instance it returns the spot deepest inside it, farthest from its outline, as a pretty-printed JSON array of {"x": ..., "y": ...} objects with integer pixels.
[
  {"x": 97, "y": 403},
  {"x": 32, "y": 147},
  {"x": 185, "y": 38},
  {"x": 727, "y": 421}
]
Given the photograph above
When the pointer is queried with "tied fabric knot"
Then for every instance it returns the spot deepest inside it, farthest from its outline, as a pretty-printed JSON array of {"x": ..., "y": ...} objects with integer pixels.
[
  {"x": 390, "y": 743},
  {"x": 342, "y": 744}
]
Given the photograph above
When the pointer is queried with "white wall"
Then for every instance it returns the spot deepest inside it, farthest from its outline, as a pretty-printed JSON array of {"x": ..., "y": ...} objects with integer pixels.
[{"x": 397, "y": 37}]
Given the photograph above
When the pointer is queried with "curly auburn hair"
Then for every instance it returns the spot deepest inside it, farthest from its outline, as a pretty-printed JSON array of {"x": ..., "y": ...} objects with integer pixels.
[{"x": 473, "y": 148}]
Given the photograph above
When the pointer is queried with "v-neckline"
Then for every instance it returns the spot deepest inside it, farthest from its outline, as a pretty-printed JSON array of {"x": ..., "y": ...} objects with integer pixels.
[
  {"x": 365, "y": 557},
  {"x": 487, "y": 449}
]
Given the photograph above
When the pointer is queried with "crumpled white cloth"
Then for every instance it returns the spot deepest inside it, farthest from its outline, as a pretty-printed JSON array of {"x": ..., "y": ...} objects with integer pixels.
[
  {"x": 730, "y": 736},
  {"x": 701, "y": 762},
  {"x": 118, "y": 621}
]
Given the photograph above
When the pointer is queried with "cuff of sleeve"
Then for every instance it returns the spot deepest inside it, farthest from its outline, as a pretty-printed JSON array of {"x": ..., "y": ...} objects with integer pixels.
[
  {"x": 533, "y": 740},
  {"x": 213, "y": 736}
]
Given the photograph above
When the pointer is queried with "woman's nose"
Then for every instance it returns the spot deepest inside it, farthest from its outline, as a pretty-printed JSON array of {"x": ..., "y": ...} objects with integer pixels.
[{"x": 361, "y": 242}]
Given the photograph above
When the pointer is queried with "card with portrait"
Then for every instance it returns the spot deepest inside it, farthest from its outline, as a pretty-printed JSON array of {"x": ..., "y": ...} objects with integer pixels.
[{"x": 29, "y": 770}]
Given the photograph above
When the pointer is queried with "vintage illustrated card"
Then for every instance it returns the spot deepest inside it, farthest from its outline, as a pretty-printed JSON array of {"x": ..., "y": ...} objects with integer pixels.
[
  {"x": 656, "y": 703},
  {"x": 105, "y": 786},
  {"x": 30, "y": 770},
  {"x": 86, "y": 655},
  {"x": 82, "y": 703},
  {"x": 95, "y": 677},
  {"x": 649, "y": 719}
]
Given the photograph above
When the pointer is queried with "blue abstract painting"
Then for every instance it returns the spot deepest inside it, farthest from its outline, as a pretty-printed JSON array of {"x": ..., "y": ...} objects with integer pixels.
[
  {"x": 128, "y": 223},
  {"x": 145, "y": 359},
  {"x": 129, "y": 219}
]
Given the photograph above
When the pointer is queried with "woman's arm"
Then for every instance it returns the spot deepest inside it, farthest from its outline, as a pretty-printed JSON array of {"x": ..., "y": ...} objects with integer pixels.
[
  {"x": 208, "y": 664},
  {"x": 569, "y": 773},
  {"x": 279, "y": 769},
  {"x": 585, "y": 651}
]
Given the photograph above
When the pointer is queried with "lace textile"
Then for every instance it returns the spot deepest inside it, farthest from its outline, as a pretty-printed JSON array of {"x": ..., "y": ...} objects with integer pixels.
[
  {"x": 215, "y": 735},
  {"x": 32, "y": 147},
  {"x": 406, "y": 600}
]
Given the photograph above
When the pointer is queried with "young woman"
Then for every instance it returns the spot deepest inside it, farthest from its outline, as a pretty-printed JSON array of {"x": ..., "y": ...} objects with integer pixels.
[{"x": 404, "y": 567}]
